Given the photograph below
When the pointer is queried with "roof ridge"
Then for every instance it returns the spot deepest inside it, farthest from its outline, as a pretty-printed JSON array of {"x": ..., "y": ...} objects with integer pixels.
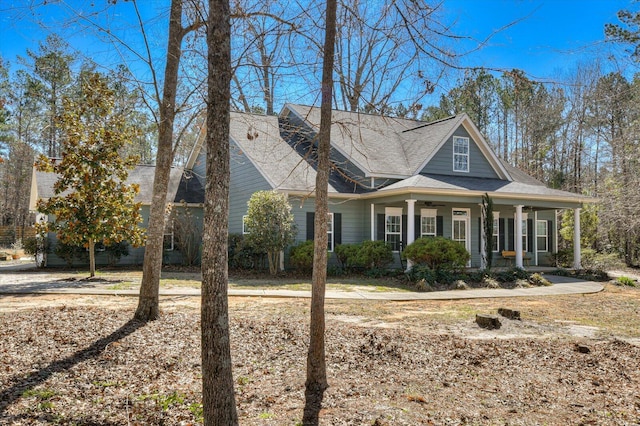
[{"x": 430, "y": 123}]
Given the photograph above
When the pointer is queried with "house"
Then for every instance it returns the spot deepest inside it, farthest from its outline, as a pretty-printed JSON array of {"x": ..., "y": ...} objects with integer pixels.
[
  {"x": 392, "y": 179},
  {"x": 395, "y": 180},
  {"x": 42, "y": 188}
]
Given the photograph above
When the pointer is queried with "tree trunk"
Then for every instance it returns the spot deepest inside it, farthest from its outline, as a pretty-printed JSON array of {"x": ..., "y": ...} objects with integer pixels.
[
  {"x": 148, "y": 302},
  {"x": 316, "y": 382},
  {"x": 218, "y": 397},
  {"x": 92, "y": 258}
]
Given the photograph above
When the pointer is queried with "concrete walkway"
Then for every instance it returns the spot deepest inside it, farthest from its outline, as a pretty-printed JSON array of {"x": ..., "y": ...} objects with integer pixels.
[{"x": 13, "y": 281}]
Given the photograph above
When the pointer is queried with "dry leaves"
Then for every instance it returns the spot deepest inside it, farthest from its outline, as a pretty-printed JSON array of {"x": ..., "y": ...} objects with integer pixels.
[{"x": 93, "y": 366}]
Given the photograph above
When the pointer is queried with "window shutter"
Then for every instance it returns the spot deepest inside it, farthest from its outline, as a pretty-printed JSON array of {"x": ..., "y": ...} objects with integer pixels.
[
  {"x": 439, "y": 226},
  {"x": 380, "y": 227},
  {"x": 530, "y": 234},
  {"x": 510, "y": 232},
  {"x": 403, "y": 243},
  {"x": 310, "y": 225},
  {"x": 337, "y": 229},
  {"x": 550, "y": 229},
  {"x": 417, "y": 228},
  {"x": 501, "y": 235}
]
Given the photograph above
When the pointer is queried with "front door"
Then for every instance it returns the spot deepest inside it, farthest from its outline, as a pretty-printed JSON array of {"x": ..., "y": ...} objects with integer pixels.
[{"x": 460, "y": 223}]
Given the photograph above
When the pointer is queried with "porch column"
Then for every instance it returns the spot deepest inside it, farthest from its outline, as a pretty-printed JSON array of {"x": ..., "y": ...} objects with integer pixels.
[
  {"x": 577, "y": 264},
  {"x": 483, "y": 249},
  {"x": 411, "y": 228},
  {"x": 519, "y": 236},
  {"x": 373, "y": 222},
  {"x": 535, "y": 238}
]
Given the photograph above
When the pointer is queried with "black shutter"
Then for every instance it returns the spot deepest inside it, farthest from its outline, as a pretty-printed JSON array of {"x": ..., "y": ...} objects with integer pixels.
[
  {"x": 480, "y": 235},
  {"x": 510, "y": 234},
  {"x": 502, "y": 232},
  {"x": 530, "y": 234},
  {"x": 417, "y": 228},
  {"x": 550, "y": 236},
  {"x": 403, "y": 244},
  {"x": 439, "y": 226},
  {"x": 310, "y": 225},
  {"x": 337, "y": 229},
  {"x": 380, "y": 227}
]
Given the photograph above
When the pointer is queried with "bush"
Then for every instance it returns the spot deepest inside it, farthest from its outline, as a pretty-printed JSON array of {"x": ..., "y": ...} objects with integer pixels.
[
  {"x": 512, "y": 275},
  {"x": 626, "y": 281},
  {"x": 374, "y": 254},
  {"x": 301, "y": 256},
  {"x": 347, "y": 255},
  {"x": 438, "y": 253},
  {"x": 242, "y": 254},
  {"x": 69, "y": 252},
  {"x": 115, "y": 251}
]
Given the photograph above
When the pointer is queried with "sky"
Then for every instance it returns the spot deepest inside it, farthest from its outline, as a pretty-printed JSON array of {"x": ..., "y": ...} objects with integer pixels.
[{"x": 550, "y": 37}]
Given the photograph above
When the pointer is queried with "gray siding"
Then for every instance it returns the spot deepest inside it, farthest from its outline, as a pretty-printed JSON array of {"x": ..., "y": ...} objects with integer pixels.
[
  {"x": 442, "y": 161},
  {"x": 245, "y": 180}
]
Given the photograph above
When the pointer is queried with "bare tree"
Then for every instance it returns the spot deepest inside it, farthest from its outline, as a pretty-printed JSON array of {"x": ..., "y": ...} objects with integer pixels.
[
  {"x": 316, "y": 382},
  {"x": 217, "y": 379}
]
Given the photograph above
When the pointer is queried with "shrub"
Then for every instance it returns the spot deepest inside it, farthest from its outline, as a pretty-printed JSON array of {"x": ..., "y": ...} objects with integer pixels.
[
  {"x": 69, "y": 252},
  {"x": 116, "y": 251},
  {"x": 538, "y": 280},
  {"x": 347, "y": 255},
  {"x": 438, "y": 253},
  {"x": 301, "y": 256},
  {"x": 374, "y": 254},
  {"x": 511, "y": 275},
  {"x": 242, "y": 254},
  {"x": 626, "y": 281}
]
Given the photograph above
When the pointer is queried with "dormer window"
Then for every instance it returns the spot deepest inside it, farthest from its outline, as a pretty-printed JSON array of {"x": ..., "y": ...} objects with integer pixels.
[{"x": 460, "y": 154}]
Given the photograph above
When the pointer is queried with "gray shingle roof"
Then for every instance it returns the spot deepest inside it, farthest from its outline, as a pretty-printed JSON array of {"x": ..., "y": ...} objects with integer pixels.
[
  {"x": 496, "y": 186},
  {"x": 379, "y": 145},
  {"x": 258, "y": 137},
  {"x": 142, "y": 175}
]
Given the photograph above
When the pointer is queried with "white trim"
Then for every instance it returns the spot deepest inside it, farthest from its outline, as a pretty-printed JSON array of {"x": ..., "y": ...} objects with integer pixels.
[
  {"x": 245, "y": 230},
  {"x": 373, "y": 222},
  {"x": 496, "y": 231},
  {"x": 518, "y": 242},
  {"x": 429, "y": 213},
  {"x": 467, "y": 221},
  {"x": 330, "y": 233},
  {"x": 480, "y": 141},
  {"x": 465, "y": 140},
  {"x": 393, "y": 212}
]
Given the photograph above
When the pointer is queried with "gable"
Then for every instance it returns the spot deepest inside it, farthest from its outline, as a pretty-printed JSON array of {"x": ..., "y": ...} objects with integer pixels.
[{"x": 441, "y": 163}]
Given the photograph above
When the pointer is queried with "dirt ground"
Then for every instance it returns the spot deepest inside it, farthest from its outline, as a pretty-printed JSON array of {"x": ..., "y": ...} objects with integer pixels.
[{"x": 572, "y": 360}]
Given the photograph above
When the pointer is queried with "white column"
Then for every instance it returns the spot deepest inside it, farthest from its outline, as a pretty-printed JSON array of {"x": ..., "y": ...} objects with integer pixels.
[
  {"x": 577, "y": 263},
  {"x": 519, "y": 236},
  {"x": 281, "y": 260},
  {"x": 411, "y": 228},
  {"x": 483, "y": 249},
  {"x": 373, "y": 222}
]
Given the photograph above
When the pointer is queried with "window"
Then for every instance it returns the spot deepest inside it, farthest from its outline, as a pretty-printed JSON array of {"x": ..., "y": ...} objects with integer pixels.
[
  {"x": 460, "y": 154},
  {"x": 496, "y": 231},
  {"x": 393, "y": 227},
  {"x": 330, "y": 232},
  {"x": 167, "y": 240},
  {"x": 525, "y": 247},
  {"x": 245, "y": 228},
  {"x": 542, "y": 235},
  {"x": 428, "y": 222}
]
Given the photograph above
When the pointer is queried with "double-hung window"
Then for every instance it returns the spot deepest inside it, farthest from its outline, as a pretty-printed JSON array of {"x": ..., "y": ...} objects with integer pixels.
[
  {"x": 496, "y": 231},
  {"x": 330, "y": 232},
  {"x": 460, "y": 154},
  {"x": 245, "y": 228},
  {"x": 542, "y": 235},
  {"x": 428, "y": 222},
  {"x": 525, "y": 240},
  {"x": 167, "y": 238},
  {"x": 393, "y": 227}
]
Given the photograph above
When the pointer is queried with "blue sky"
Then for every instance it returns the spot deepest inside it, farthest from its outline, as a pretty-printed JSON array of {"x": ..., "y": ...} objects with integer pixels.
[{"x": 552, "y": 36}]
